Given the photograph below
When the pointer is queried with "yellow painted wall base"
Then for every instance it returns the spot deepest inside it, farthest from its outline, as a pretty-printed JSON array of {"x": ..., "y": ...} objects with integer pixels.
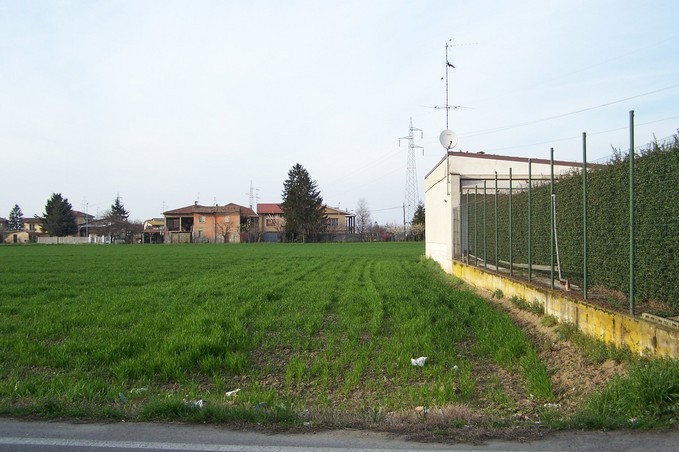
[{"x": 639, "y": 335}]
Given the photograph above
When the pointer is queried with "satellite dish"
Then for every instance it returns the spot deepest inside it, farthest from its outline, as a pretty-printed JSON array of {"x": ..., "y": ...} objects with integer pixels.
[{"x": 448, "y": 139}]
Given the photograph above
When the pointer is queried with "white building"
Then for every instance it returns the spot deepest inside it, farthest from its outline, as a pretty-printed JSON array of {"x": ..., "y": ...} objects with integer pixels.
[{"x": 460, "y": 172}]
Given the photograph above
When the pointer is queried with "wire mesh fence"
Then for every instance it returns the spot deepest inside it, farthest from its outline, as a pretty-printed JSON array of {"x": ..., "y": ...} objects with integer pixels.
[{"x": 580, "y": 233}]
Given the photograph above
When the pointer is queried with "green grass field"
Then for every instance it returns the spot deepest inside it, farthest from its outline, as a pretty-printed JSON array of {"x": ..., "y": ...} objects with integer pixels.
[
  {"x": 305, "y": 332},
  {"x": 143, "y": 331}
]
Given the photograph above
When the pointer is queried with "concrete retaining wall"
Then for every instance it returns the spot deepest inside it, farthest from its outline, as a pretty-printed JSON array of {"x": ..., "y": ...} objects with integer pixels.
[{"x": 640, "y": 335}]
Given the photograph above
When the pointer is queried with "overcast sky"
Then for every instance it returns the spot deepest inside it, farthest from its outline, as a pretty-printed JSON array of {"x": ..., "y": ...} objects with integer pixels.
[{"x": 170, "y": 102}]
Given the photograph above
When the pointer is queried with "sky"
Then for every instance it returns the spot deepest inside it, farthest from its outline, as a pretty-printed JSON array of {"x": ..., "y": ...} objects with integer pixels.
[{"x": 165, "y": 103}]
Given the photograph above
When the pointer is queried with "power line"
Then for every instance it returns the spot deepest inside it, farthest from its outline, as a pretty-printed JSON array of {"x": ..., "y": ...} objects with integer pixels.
[
  {"x": 556, "y": 140},
  {"x": 388, "y": 208},
  {"x": 549, "y": 118}
]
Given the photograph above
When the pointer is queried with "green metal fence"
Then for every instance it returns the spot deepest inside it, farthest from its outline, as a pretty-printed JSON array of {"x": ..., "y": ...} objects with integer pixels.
[{"x": 609, "y": 229}]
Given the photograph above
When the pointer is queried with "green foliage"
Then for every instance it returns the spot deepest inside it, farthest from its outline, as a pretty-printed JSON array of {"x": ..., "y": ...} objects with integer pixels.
[
  {"x": 16, "y": 219},
  {"x": 302, "y": 205},
  {"x": 116, "y": 223},
  {"x": 417, "y": 226},
  {"x": 647, "y": 396},
  {"x": 58, "y": 219},
  {"x": 118, "y": 210},
  {"x": 596, "y": 350},
  {"x": 535, "y": 306},
  {"x": 656, "y": 224}
]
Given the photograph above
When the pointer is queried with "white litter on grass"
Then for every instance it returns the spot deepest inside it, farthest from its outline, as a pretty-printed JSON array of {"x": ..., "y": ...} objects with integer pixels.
[
  {"x": 196, "y": 403},
  {"x": 232, "y": 393},
  {"x": 418, "y": 362},
  {"x": 421, "y": 410}
]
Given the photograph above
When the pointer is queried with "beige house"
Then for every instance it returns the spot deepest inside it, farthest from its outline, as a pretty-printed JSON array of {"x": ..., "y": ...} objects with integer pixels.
[
  {"x": 271, "y": 222},
  {"x": 339, "y": 223},
  {"x": 230, "y": 223},
  {"x": 29, "y": 234},
  {"x": 153, "y": 230},
  {"x": 460, "y": 172}
]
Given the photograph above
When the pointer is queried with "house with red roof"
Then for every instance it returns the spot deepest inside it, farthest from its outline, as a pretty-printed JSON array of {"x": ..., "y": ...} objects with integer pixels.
[{"x": 230, "y": 223}]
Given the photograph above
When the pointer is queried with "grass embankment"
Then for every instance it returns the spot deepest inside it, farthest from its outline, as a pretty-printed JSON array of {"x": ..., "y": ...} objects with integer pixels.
[{"x": 305, "y": 332}]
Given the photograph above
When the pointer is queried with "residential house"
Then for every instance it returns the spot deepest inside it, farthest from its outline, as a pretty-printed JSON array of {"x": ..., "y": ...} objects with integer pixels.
[
  {"x": 83, "y": 221},
  {"x": 230, "y": 223},
  {"x": 271, "y": 222},
  {"x": 339, "y": 223},
  {"x": 154, "y": 231},
  {"x": 3, "y": 227},
  {"x": 31, "y": 231}
]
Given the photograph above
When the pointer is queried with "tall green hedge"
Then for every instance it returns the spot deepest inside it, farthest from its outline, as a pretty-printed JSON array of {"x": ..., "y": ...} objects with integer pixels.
[{"x": 656, "y": 220}]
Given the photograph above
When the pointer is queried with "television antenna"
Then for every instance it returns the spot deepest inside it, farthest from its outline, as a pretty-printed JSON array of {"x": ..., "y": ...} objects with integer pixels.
[{"x": 448, "y": 138}]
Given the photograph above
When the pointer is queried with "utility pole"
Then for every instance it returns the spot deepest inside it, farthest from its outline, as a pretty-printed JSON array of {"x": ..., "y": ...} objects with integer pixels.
[{"x": 412, "y": 198}]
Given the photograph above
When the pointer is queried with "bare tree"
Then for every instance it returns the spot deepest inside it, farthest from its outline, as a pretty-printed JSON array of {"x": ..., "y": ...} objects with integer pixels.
[
  {"x": 225, "y": 230},
  {"x": 363, "y": 220}
]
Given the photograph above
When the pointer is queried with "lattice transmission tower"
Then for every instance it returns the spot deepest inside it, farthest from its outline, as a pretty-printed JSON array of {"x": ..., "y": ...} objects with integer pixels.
[{"x": 412, "y": 198}]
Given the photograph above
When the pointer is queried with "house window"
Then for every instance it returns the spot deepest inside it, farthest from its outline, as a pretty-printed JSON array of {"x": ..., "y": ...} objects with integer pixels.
[
  {"x": 333, "y": 222},
  {"x": 271, "y": 222},
  {"x": 201, "y": 219},
  {"x": 31, "y": 227}
]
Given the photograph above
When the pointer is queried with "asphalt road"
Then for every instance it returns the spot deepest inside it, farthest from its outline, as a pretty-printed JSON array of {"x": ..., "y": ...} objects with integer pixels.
[{"x": 23, "y": 436}]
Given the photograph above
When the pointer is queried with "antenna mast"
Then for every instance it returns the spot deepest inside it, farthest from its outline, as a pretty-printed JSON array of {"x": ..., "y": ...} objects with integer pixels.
[
  {"x": 447, "y": 66},
  {"x": 412, "y": 198},
  {"x": 448, "y": 138}
]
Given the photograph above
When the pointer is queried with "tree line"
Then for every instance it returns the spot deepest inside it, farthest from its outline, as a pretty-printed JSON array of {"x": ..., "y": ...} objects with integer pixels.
[
  {"x": 303, "y": 211},
  {"x": 59, "y": 219}
]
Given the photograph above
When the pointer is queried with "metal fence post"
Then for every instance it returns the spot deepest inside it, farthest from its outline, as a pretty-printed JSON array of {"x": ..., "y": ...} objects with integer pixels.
[
  {"x": 497, "y": 263},
  {"x": 631, "y": 212},
  {"x": 485, "y": 259},
  {"x": 530, "y": 221},
  {"x": 551, "y": 217},
  {"x": 511, "y": 264},
  {"x": 476, "y": 228},
  {"x": 584, "y": 215},
  {"x": 468, "y": 228}
]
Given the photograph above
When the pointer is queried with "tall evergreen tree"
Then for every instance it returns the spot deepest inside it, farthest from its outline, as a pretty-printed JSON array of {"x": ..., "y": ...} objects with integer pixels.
[
  {"x": 58, "y": 219},
  {"x": 118, "y": 210},
  {"x": 302, "y": 205},
  {"x": 116, "y": 220},
  {"x": 16, "y": 219}
]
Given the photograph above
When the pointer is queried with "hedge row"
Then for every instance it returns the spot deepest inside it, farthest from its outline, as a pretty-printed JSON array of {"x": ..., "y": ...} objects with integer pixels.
[{"x": 656, "y": 222}]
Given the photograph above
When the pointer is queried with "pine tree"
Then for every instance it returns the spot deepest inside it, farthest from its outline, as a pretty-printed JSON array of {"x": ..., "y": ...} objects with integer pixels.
[
  {"x": 118, "y": 210},
  {"x": 58, "y": 219},
  {"x": 302, "y": 206},
  {"x": 16, "y": 219},
  {"x": 116, "y": 219}
]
